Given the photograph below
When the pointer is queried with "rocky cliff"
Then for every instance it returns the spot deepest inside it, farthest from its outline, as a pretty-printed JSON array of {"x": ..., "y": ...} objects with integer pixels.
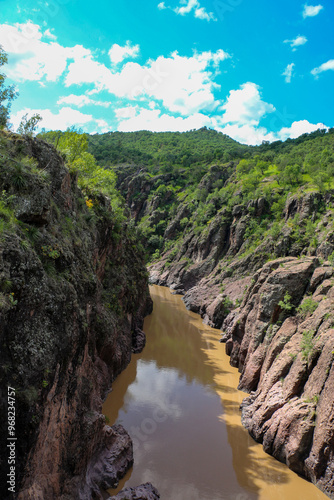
[
  {"x": 277, "y": 319},
  {"x": 73, "y": 296}
]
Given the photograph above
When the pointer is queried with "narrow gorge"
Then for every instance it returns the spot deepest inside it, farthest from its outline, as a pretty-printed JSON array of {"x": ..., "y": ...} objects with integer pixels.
[
  {"x": 244, "y": 234},
  {"x": 250, "y": 246}
]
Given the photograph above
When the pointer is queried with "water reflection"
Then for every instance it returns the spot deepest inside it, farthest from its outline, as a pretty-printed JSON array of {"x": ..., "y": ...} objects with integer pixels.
[{"x": 179, "y": 403}]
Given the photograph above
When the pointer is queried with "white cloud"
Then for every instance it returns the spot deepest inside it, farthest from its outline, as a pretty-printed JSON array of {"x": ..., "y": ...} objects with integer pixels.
[
  {"x": 81, "y": 100},
  {"x": 31, "y": 58},
  {"x": 50, "y": 35},
  {"x": 254, "y": 135},
  {"x": 201, "y": 13},
  {"x": 153, "y": 92},
  {"x": 134, "y": 118},
  {"x": 311, "y": 10},
  {"x": 84, "y": 69},
  {"x": 117, "y": 53},
  {"x": 247, "y": 134},
  {"x": 288, "y": 72},
  {"x": 162, "y": 6},
  {"x": 245, "y": 106},
  {"x": 298, "y": 128},
  {"x": 329, "y": 65},
  {"x": 187, "y": 6},
  {"x": 126, "y": 112},
  {"x": 184, "y": 85},
  {"x": 66, "y": 117},
  {"x": 296, "y": 42}
]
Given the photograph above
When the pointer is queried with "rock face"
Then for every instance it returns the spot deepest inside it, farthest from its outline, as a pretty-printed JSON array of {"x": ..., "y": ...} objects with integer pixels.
[
  {"x": 143, "y": 492},
  {"x": 280, "y": 335},
  {"x": 73, "y": 297},
  {"x": 286, "y": 363}
]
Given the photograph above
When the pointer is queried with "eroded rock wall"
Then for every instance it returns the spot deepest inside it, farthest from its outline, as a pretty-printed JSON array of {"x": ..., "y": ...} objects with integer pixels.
[
  {"x": 73, "y": 297},
  {"x": 278, "y": 326}
]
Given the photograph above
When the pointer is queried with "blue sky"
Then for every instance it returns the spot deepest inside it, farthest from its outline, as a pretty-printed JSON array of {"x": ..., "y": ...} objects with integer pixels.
[{"x": 253, "y": 69}]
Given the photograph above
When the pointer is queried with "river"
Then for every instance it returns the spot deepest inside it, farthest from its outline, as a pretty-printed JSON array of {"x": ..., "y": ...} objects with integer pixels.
[{"x": 179, "y": 402}]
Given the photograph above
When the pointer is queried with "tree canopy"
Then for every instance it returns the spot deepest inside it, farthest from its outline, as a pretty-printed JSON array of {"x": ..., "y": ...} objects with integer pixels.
[{"x": 7, "y": 93}]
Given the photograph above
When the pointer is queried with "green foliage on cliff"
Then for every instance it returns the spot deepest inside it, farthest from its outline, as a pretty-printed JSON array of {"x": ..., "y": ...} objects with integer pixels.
[
  {"x": 7, "y": 93},
  {"x": 92, "y": 179}
]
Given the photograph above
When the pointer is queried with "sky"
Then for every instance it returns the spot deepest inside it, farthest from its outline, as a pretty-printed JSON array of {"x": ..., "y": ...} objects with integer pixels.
[{"x": 252, "y": 69}]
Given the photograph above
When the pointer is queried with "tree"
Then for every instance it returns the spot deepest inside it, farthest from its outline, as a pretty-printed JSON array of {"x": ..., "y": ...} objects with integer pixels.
[
  {"x": 28, "y": 127},
  {"x": 7, "y": 94}
]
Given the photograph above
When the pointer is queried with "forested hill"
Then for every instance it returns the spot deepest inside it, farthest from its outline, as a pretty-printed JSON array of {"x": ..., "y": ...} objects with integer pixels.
[
  {"x": 178, "y": 184},
  {"x": 165, "y": 148},
  {"x": 182, "y": 148}
]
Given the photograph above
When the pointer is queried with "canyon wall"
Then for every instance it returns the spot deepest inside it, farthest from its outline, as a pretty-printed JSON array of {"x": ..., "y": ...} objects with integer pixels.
[{"x": 73, "y": 296}]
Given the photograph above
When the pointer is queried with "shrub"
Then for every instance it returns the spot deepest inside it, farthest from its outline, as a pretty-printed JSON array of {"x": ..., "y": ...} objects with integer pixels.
[
  {"x": 285, "y": 304},
  {"x": 308, "y": 306},
  {"x": 307, "y": 344}
]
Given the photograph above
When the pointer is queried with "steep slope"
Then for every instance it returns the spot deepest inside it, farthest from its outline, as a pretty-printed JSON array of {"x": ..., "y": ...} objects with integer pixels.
[
  {"x": 281, "y": 339},
  {"x": 73, "y": 297}
]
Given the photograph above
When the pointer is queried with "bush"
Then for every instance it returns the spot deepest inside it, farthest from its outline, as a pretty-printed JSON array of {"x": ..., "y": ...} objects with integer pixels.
[
  {"x": 308, "y": 306},
  {"x": 307, "y": 344}
]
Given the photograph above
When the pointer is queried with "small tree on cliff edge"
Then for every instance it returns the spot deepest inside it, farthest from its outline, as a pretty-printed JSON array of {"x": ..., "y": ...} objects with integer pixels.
[{"x": 7, "y": 94}]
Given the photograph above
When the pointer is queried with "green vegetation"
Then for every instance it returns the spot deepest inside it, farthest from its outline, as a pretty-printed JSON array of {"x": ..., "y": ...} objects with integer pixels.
[
  {"x": 29, "y": 126},
  {"x": 307, "y": 344},
  {"x": 168, "y": 150},
  {"x": 285, "y": 304},
  {"x": 7, "y": 94},
  {"x": 308, "y": 306},
  {"x": 208, "y": 175},
  {"x": 188, "y": 183},
  {"x": 92, "y": 179}
]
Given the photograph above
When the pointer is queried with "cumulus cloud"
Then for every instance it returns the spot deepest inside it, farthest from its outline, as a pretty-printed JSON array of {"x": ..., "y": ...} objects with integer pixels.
[
  {"x": 245, "y": 106},
  {"x": 117, "y": 53},
  {"x": 31, "y": 58},
  {"x": 162, "y": 6},
  {"x": 184, "y": 85},
  {"x": 84, "y": 69},
  {"x": 66, "y": 117},
  {"x": 135, "y": 118},
  {"x": 327, "y": 66},
  {"x": 49, "y": 34},
  {"x": 255, "y": 135},
  {"x": 311, "y": 10},
  {"x": 298, "y": 128},
  {"x": 296, "y": 42},
  {"x": 247, "y": 134},
  {"x": 288, "y": 72},
  {"x": 173, "y": 92},
  {"x": 188, "y": 6},
  {"x": 81, "y": 100},
  {"x": 240, "y": 118}
]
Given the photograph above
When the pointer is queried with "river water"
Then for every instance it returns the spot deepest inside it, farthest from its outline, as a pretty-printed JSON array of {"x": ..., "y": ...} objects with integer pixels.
[{"x": 179, "y": 402}]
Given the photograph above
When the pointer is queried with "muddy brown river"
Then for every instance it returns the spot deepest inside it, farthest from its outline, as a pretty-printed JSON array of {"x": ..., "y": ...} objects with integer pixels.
[{"x": 179, "y": 401}]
